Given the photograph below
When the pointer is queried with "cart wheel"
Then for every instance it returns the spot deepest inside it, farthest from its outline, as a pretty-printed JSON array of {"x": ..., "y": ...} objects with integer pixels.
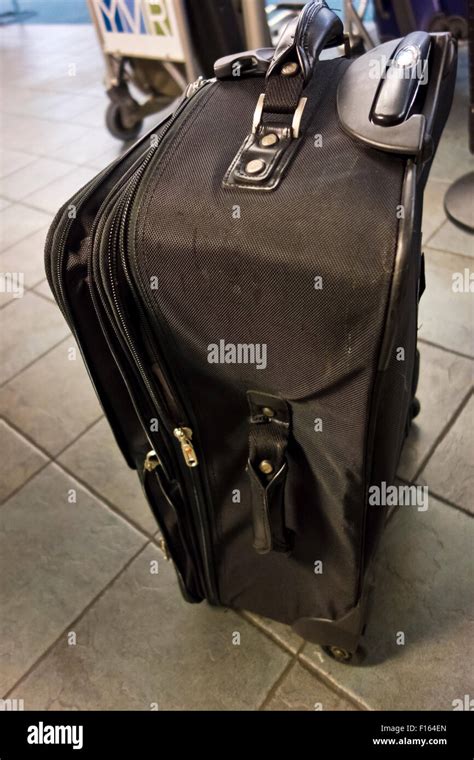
[
  {"x": 458, "y": 27},
  {"x": 113, "y": 120},
  {"x": 439, "y": 23},
  {"x": 415, "y": 408},
  {"x": 344, "y": 656}
]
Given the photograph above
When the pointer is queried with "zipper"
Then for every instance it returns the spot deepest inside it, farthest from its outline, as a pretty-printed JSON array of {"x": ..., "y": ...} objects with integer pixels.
[
  {"x": 184, "y": 436},
  {"x": 80, "y": 200},
  {"x": 181, "y": 431},
  {"x": 86, "y": 193}
]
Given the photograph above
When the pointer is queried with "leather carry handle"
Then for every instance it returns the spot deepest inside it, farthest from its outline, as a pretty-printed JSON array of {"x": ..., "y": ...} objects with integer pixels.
[
  {"x": 304, "y": 38},
  {"x": 267, "y": 151}
]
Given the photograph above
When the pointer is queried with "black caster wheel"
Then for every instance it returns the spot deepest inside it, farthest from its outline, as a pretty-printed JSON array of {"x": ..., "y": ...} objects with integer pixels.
[
  {"x": 415, "y": 408},
  {"x": 344, "y": 656},
  {"x": 458, "y": 27},
  {"x": 439, "y": 23},
  {"x": 113, "y": 120}
]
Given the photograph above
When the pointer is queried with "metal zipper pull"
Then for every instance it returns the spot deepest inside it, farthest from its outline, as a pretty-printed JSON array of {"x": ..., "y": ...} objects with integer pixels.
[
  {"x": 162, "y": 544},
  {"x": 184, "y": 435},
  {"x": 151, "y": 462}
]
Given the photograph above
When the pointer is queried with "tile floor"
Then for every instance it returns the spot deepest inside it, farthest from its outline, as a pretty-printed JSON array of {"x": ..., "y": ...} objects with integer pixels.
[{"x": 84, "y": 623}]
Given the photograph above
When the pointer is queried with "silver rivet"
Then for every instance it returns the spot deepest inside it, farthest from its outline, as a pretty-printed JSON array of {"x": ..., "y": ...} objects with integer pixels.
[
  {"x": 266, "y": 467},
  {"x": 255, "y": 167},
  {"x": 268, "y": 411},
  {"x": 268, "y": 140},
  {"x": 290, "y": 69}
]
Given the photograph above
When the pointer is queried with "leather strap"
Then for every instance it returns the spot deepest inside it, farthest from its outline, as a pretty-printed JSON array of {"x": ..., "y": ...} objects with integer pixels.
[
  {"x": 267, "y": 469},
  {"x": 304, "y": 38},
  {"x": 267, "y": 151}
]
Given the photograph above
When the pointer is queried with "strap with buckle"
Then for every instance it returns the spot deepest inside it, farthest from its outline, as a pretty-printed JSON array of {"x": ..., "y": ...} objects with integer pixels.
[{"x": 266, "y": 152}]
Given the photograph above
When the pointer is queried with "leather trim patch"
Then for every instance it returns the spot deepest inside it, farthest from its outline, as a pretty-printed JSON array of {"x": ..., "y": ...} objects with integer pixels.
[{"x": 274, "y": 160}]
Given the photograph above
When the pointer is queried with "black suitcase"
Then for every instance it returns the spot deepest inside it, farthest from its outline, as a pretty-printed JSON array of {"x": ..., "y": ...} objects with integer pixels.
[{"x": 243, "y": 284}]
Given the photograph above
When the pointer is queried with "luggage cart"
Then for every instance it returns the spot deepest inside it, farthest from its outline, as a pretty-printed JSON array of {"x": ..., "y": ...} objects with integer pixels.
[{"x": 153, "y": 48}]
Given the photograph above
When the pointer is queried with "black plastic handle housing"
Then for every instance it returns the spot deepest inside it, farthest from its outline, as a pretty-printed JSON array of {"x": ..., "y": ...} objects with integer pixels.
[{"x": 401, "y": 80}]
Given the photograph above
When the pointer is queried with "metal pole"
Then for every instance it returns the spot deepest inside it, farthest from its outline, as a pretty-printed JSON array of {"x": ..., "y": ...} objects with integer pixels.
[
  {"x": 352, "y": 19},
  {"x": 111, "y": 78},
  {"x": 192, "y": 69},
  {"x": 257, "y": 32}
]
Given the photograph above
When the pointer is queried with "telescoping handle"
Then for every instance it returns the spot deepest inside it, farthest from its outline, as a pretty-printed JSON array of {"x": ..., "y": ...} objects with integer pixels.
[{"x": 267, "y": 151}]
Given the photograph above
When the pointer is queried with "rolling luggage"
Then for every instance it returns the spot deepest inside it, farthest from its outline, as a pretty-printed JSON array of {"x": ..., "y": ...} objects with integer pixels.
[{"x": 243, "y": 284}]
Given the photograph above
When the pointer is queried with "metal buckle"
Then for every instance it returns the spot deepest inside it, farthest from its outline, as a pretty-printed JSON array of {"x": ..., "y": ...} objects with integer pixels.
[{"x": 297, "y": 116}]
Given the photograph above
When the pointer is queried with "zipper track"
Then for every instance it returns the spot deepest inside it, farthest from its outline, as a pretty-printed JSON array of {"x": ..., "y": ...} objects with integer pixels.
[
  {"x": 122, "y": 213},
  {"x": 109, "y": 323},
  {"x": 79, "y": 201},
  {"x": 88, "y": 190}
]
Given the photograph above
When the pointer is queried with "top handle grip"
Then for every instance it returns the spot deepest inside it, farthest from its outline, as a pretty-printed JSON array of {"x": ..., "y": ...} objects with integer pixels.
[{"x": 303, "y": 39}]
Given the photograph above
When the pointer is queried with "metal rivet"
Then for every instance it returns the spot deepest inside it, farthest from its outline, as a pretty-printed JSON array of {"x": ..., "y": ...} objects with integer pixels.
[
  {"x": 255, "y": 167},
  {"x": 268, "y": 140},
  {"x": 268, "y": 411},
  {"x": 266, "y": 467},
  {"x": 290, "y": 69}
]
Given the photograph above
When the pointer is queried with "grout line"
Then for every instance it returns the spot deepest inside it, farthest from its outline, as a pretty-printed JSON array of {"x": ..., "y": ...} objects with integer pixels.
[
  {"x": 427, "y": 241},
  {"x": 332, "y": 684},
  {"x": 25, "y": 482},
  {"x": 27, "y": 289},
  {"x": 451, "y": 504},
  {"x": 441, "y": 498},
  {"x": 42, "y": 295},
  {"x": 27, "y": 237},
  {"x": 40, "y": 448},
  {"x": 268, "y": 634},
  {"x": 40, "y": 356},
  {"x": 445, "y": 430},
  {"x": 444, "y": 348},
  {"x": 100, "y": 497},
  {"x": 50, "y": 458},
  {"x": 274, "y": 687},
  {"x": 76, "y": 620}
]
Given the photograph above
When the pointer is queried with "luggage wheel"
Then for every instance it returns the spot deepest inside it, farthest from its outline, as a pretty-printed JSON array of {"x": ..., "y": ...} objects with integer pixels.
[
  {"x": 415, "y": 408},
  {"x": 116, "y": 120},
  {"x": 344, "y": 656}
]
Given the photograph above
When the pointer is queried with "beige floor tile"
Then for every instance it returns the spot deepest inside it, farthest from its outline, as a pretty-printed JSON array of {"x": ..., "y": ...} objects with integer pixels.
[
  {"x": 423, "y": 591},
  {"x": 33, "y": 178},
  {"x": 450, "y": 471},
  {"x": 454, "y": 239},
  {"x": 27, "y": 257},
  {"x": 13, "y": 160},
  {"x": 444, "y": 381},
  {"x": 53, "y": 400},
  {"x": 446, "y": 317},
  {"x": 96, "y": 459},
  {"x": 44, "y": 290},
  {"x": 142, "y": 645},
  {"x": 30, "y": 326},
  {"x": 18, "y": 222},
  {"x": 300, "y": 691},
  {"x": 55, "y": 556},
  {"x": 20, "y": 460},
  {"x": 52, "y": 196}
]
